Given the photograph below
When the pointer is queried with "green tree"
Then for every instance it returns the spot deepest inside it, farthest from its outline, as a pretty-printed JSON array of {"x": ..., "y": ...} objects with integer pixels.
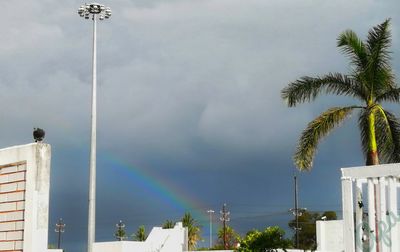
[
  {"x": 168, "y": 224},
  {"x": 371, "y": 81},
  {"x": 307, "y": 224},
  {"x": 232, "y": 238},
  {"x": 193, "y": 230},
  {"x": 269, "y": 240},
  {"x": 140, "y": 234},
  {"x": 329, "y": 215},
  {"x": 52, "y": 246}
]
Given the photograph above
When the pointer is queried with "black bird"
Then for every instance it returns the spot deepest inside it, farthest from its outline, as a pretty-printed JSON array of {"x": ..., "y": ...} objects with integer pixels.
[{"x": 38, "y": 134}]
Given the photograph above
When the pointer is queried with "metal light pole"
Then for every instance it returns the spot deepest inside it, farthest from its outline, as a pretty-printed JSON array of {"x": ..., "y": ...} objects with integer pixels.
[
  {"x": 94, "y": 11},
  {"x": 210, "y": 212}
]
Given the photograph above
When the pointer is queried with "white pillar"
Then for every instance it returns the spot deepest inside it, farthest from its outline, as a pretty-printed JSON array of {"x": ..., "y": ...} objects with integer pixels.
[
  {"x": 359, "y": 215},
  {"x": 348, "y": 225},
  {"x": 371, "y": 213},
  {"x": 393, "y": 214},
  {"x": 384, "y": 235}
]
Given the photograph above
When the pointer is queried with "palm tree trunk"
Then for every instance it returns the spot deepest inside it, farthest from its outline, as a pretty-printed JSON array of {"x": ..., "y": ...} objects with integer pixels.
[
  {"x": 373, "y": 159},
  {"x": 372, "y": 155}
]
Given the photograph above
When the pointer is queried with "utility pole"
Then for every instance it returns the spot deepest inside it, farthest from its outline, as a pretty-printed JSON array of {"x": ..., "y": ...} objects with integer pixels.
[
  {"x": 59, "y": 229},
  {"x": 210, "y": 212},
  {"x": 120, "y": 233},
  {"x": 225, "y": 218},
  {"x": 296, "y": 211}
]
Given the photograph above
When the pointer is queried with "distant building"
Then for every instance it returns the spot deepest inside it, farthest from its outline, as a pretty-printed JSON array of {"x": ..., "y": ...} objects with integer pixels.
[{"x": 159, "y": 239}]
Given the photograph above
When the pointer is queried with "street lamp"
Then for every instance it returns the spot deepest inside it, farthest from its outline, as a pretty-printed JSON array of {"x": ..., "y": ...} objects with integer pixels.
[
  {"x": 94, "y": 11},
  {"x": 210, "y": 212}
]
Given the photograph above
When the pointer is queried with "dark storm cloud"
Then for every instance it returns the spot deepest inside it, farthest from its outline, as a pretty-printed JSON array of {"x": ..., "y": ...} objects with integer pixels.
[{"x": 188, "y": 89}]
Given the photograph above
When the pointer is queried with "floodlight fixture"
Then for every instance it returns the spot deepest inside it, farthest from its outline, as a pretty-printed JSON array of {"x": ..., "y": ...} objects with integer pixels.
[{"x": 94, "y": 9}]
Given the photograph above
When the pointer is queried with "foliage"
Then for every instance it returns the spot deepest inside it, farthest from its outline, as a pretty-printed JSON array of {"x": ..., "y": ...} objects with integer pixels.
[
  {"x": 307, "y": 225},
  {"x": 269, "y": 240},
  {"x": 371, "y": 81},
  {"x": 232, "y": 238},
  {"x": 330, "y": 215},
  {"x": 168, "y": 224},
  {"x": 140, "y": 234},
  {"x": 209, "y": 249},
  {"x": 194, "y": 230}
]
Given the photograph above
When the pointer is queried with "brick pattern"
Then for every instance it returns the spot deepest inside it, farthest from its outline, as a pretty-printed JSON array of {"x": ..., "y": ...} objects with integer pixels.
[{"x": 12, "y": 206}]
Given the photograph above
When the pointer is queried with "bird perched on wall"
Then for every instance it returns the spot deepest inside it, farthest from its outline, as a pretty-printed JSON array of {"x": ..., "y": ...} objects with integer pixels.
[{"x": 38, "y": 134}]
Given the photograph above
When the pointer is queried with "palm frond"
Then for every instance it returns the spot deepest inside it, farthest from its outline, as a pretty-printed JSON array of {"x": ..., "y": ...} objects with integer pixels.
[
  {"x": 386, "y": 79},
  {"x": 387, "y": 130},
  {"x": 364, "y": 130},
  {"x": 378, "y": 44},
  {"x": 392, "y": 95},
  {"x": 315, "y": 131},
  {"x": 383, "y": 134},
  {"x": 308, "y": 88},
  {"x": 394, "y": 124},
  {"x": 353, "y": 47}
]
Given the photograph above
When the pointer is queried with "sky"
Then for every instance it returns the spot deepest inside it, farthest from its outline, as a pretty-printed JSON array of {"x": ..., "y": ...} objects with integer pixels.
[{"x": 189, "y": 109}]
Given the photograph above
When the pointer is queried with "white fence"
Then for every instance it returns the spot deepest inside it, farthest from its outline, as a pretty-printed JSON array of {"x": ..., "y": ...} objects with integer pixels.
[{"x": 374, "y": 226}]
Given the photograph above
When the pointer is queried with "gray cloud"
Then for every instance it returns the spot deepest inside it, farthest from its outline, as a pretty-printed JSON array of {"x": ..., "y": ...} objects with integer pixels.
[{"x": 185, "y": 87}]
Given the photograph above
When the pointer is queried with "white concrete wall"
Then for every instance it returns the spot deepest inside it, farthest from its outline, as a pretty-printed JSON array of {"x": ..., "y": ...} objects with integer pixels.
[
  {"x": 119, "y": 246},
  {"x": 278, "y": 250},
  {"x": 162, "y": 240},
  {"x": 168, "y": 239},
  {"x": 330, "y": 236},
  {"x": 27, "y": 167}
]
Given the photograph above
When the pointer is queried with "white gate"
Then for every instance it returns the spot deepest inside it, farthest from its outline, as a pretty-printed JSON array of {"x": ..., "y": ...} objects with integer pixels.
[{"x": 370, "y": 210}]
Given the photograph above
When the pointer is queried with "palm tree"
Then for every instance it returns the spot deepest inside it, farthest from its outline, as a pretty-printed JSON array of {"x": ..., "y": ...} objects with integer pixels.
[
  {"x": 193, "y": 230},
  {"x": 168, "y": 224},
  {"x": 140, "y": 234},
  {"x": 231, "y": 236},
  {"x": 371, "y": 81}
]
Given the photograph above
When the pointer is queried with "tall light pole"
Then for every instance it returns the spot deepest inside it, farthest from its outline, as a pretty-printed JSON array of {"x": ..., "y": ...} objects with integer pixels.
[
  {"x": 210, "y": 212},
  {"x": 94, "y": 11}
]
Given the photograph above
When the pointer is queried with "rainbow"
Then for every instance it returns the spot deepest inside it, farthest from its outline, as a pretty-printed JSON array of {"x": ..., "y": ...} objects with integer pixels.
[{"x": 160, "y": 188}]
